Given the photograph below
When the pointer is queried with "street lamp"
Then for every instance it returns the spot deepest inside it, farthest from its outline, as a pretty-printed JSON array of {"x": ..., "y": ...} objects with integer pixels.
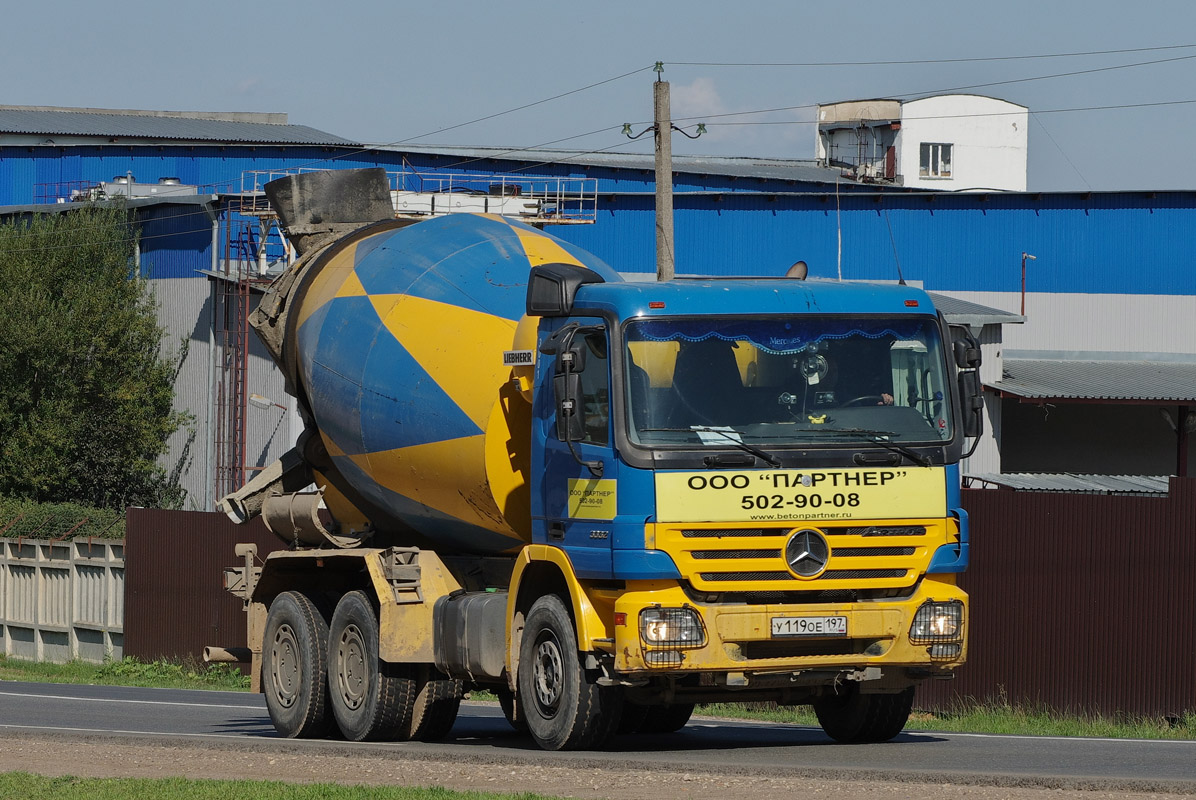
[
  {"x": 1024, "y": 257},
  {"x": 262, "y": 401}
]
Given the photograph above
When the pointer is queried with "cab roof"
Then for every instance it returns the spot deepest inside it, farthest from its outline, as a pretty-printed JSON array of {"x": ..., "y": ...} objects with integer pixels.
[{"x": 627, "y": 299}]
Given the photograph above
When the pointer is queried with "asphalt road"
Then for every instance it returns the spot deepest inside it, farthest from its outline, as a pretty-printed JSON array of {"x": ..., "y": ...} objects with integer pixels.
[{"x": 705, "y": 745}]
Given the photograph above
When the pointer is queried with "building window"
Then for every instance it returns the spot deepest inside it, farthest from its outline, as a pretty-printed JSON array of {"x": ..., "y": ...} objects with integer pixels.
[{"x": 934, "y": 160}]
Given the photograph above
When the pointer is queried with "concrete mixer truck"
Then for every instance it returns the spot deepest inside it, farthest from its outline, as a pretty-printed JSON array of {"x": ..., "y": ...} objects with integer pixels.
[{"x": 602, "y": 500}]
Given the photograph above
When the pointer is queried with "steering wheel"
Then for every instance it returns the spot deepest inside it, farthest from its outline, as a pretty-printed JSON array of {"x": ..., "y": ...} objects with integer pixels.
[{"x": 855, "y": 401}]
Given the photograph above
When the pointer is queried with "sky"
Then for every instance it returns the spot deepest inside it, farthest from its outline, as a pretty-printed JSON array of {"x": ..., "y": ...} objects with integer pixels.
[{"x": 469, "y": 72}]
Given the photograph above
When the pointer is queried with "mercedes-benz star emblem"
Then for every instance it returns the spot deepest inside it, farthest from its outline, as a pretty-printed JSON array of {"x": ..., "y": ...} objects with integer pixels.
[{"x": 806, "y": 553}]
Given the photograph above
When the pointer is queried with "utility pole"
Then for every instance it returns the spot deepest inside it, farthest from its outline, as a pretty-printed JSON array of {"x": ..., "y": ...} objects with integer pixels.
[
  {"x": 663, "y": 127},
  {"x": 665, "y": 262}
]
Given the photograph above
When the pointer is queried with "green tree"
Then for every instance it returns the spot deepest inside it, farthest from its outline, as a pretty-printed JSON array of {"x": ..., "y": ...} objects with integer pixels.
[{"x": 85, "y": 391}]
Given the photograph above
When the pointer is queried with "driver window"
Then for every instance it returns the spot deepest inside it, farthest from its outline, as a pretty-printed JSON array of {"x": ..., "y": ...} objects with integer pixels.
[{"x": 595, "y": 390}]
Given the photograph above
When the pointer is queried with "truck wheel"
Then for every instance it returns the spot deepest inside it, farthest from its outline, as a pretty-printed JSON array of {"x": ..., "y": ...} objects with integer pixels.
[
  {"x": 632, "y": 718},
  {"x": 295, "y": 667},
  {"x": 563, "y": 710},
  {"x": 854, "y": 718},
  {"x": 666, "y": 719},
  {"x": 437, "y": 700},
  {"x": 371, "y": 699},
  {"x": 509, "y": 706}
]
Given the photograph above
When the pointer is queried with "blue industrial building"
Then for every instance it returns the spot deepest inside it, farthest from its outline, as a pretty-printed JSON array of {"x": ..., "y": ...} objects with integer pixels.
[{"x": 1109, "y": 283}]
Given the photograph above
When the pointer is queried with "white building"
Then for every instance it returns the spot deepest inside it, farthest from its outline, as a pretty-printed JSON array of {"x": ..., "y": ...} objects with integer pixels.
[{"x": 950, "y": 142}]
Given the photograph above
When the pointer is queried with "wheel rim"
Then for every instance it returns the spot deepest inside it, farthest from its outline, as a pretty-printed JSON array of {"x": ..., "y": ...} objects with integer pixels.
[
  {"x": 284, "y": 666},
  {"x": 548, "y": 674},
  {"x": 351, "y": 675}
]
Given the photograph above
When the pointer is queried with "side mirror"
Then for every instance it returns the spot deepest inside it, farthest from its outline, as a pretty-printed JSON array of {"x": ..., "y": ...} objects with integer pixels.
[
  {"x": 971, "y": 402},
  {"x": 552, "y": 287},
  {"x": 573, "y": 359},
  {"x": 967, "y": 351},
  {"x": 570, "y": 413}
]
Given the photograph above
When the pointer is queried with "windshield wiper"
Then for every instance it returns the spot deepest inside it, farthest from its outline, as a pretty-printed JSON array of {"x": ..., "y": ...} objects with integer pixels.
[
  {"x": 878, "y": 438},
  {"x": 767, "y": 458}
]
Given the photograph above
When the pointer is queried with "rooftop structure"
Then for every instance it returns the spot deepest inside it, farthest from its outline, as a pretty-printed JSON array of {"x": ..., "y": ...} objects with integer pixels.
[
  {"x": 67, "y": 126},
  {"x": 950, "y": 142}
]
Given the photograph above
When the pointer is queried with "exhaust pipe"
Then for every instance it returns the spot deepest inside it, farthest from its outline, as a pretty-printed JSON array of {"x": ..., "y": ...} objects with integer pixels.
[{"x": 226, "y": 655}]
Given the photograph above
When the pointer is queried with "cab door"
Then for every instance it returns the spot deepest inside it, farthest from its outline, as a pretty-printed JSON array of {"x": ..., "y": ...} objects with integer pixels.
[{"x": 579, "y": 474}]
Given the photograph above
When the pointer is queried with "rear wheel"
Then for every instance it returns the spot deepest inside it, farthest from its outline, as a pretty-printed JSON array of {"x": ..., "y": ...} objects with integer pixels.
[
  {"x": 371, "y": 699},
  {"x": 666, "y": 719},
  {"x": 437, "y": 700},
  {"x": 632, "y": 718},
  {"x": 295, "y": 667},
  {"x": 563, "y": 709},
  {"x": 854, "y": 718}
]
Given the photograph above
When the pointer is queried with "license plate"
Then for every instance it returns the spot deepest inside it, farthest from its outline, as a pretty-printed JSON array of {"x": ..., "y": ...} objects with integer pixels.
[{"x": 809, "y": 626}]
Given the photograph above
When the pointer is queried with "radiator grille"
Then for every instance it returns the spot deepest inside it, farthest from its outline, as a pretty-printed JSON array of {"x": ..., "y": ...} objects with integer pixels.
[
  {"x": 829, "y": 575},
  {"x": 862, "y": 557},
  {"x": 728, "y": 533},
  {"x": 725, "y": 554}
]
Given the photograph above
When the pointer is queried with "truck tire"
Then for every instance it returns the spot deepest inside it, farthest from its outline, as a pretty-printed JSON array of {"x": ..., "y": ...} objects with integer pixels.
[
  {"x": 666, "y": 719},
  {"x": 510, "y": 709},
  {"x": 371, "y": 699},
  {"x": 563, "y": 710},
  {"x": 437, "y": 700},
  {"x": 632, "y": 718},
  {"x": 854, "y": 718},
  {"x": 295, "y": 667}
]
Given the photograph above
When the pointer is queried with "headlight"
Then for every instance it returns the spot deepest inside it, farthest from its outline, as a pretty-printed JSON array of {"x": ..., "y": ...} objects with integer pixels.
[
  {"x": 671, "y": 627},
  {"x": 937, "y": 622}
]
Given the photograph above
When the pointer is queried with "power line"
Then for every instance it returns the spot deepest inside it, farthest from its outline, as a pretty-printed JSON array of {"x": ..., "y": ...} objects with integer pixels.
[
  {"x": 986, "y": 114},
  {"x": 517, "y": 150},
  {"x": 472, "y": 121},
  {"x": 926, "y": 60},
  {"x": 1070, "y": 163},
  {"x": 945, "y": 91},
  {"x": 520, "y": 108}
]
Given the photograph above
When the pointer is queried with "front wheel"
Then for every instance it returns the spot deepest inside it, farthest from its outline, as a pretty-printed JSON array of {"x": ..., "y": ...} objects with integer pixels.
[
  {"x": 563, "y": 710},
  {"x": 854, "y": 718},
  {"x": 510, "y": 709}
]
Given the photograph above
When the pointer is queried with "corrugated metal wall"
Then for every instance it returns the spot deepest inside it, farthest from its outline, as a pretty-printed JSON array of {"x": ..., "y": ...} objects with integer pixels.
[
  {"x": 184, "y": 312},
  {"x": 175, "y": 603},
  {"x": 1080, "y": 602},
  {"x": 1122, "y": 243}
]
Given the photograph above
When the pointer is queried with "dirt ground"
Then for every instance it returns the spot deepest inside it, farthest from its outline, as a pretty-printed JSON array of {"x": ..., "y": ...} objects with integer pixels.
[{"x": 87, "y": 757}]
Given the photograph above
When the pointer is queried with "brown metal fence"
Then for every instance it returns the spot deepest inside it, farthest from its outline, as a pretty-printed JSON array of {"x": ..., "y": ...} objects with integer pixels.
[
  {"x": 175, "y": 603},
  {"x": 1082, "y": 603},
  {"x": 1078, "y": 602}
]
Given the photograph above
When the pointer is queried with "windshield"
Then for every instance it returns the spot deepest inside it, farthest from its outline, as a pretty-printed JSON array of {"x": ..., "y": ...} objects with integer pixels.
[{"x": 779, "y": 381}]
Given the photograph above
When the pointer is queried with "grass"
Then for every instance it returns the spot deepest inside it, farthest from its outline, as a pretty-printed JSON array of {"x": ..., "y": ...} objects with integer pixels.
[
  {"x": 129, "y": 671},
  {"x": 36, "y": 787},
  {"x": 992, "y": 716}
]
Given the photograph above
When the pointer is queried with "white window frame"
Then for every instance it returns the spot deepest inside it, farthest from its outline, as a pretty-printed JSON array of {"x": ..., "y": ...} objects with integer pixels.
[{"x": 936, "y": 160}]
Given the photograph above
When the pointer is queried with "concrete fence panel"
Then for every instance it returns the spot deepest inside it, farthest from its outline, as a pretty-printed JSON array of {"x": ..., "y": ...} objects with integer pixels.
[{"x": 62, "y": 600}]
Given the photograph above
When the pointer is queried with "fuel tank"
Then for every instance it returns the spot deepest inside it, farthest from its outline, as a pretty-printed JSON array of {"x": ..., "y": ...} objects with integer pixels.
[{"x": 393, "y": 340}]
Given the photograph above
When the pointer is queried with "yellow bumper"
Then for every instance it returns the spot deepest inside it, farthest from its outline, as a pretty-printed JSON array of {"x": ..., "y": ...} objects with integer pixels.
[{"x": 739, "y": 638}]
